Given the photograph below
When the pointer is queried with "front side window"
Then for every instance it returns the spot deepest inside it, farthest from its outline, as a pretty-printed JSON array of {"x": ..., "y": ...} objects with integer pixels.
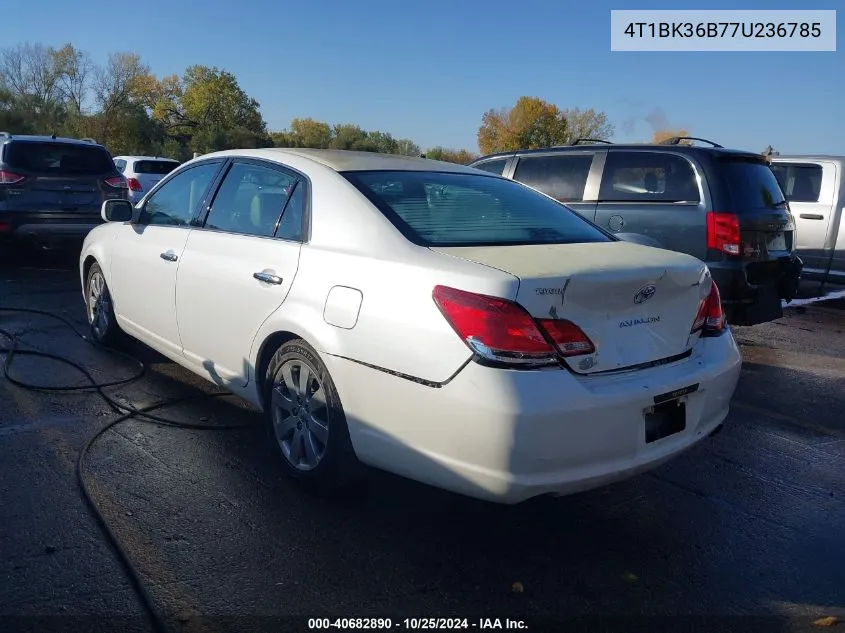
[
  {"x": 175, "y": 202},
  {"x": 648, "y": 177},
  {"x": 455, "y": 209},
  {"x": 250, "y": 200},
  {"x": 562, "y": 176},
  {"x": 801, "y": 182}
]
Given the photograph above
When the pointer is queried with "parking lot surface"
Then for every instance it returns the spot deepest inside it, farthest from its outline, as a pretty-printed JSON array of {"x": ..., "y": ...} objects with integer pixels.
[{"x": 750, "y": 522}]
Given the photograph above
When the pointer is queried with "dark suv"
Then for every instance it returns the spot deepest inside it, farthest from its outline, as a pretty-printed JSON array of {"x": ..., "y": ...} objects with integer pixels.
[
  {"x": 720, "y": 205},
  {"x": 51, "y": 189}
]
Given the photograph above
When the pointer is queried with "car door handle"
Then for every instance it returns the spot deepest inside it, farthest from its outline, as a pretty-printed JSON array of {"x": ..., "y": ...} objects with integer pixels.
[
  {"x": 267, "y": 278},
  {"x": 811, "y": 216},
  {"x": 169, "y": 256}
]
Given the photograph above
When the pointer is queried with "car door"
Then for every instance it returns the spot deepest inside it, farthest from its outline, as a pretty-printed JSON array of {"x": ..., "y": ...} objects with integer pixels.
[
  {"x": 655, "y": 195},
  {"x": 146, "y": 254},
  {"x": 810, "y": 188},
  {"x": 565, "y": 176},
  {"x": 238, "y": 267}
]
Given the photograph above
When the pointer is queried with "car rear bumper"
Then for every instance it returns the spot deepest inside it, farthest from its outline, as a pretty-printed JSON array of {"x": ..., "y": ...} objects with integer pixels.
[
  {"x": 753, "y": 292},
  {"x": 46, "y": 226},
  {"x": 507, "y": 436}
]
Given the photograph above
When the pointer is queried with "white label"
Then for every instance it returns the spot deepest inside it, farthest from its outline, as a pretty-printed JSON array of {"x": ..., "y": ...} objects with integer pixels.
[{"x": 707, "y": 30}]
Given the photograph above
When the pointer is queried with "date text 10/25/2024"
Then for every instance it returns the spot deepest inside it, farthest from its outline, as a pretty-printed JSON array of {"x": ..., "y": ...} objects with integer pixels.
[{"x": 430, "y": 624}]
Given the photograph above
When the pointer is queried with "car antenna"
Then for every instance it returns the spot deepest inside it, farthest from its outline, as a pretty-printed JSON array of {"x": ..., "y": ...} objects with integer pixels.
[{"x": 53, "y": 136}]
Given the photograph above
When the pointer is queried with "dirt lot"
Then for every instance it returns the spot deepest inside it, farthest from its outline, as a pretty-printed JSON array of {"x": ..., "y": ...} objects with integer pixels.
[{"x": 751, "y": 522}]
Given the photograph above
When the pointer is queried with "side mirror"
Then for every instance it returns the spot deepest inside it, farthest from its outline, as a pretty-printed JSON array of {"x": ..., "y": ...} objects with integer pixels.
[{"x": 117, "y": 211}]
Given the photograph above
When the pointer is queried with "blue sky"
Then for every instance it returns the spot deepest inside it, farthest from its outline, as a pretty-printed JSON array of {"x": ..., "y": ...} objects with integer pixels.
[{"x": 428, "y": 69}]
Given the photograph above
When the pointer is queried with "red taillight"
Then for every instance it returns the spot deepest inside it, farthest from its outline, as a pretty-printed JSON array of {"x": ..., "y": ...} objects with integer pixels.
[
  {"x": 134, "y": 185},
  {"x": 5, "y": 227},
  {"x": 569, "y": 338},
  {"x": 723, "y": 232},
  {"x": 502, "y": 331},
  {"x": 710, "y": 319},
  {"x": 10, "y": 177},
  {"x": 117, "y": 182}
]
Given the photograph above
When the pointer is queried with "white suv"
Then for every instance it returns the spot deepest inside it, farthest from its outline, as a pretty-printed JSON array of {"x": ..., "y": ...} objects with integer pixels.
[{"x": 143, "y": 172}]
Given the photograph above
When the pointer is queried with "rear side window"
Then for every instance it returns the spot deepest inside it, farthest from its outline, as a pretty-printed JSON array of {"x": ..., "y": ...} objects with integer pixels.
[
  {"x": 801, "y": 182},
  {"x": 493, "y": 166},
  {"x": 563, "y": 177},
  {"x": 58, "y": 159},
  {"x": 120, "y": 164},
  {"x": 648, "y": 177},
  {"x": 158, "y": 167},
  {"x": 752, "y": 184},
  {"x": 446, "y": 209}
]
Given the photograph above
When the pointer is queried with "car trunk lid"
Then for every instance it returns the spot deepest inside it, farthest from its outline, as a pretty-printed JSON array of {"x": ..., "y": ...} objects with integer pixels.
[{"x": 636, "y": 304}]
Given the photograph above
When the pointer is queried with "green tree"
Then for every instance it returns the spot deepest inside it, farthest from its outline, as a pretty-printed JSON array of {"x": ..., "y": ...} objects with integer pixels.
[
  {"x": 407, "y": 147},
  {"x": 309, "y": 132},
  {"x": 531, "y": 123},
  {"x": 352, "y": 137},
  {"x": 460, "y": 156},
  {"x": 209, "y": 107},
  {"x": 587, "y": 124}
]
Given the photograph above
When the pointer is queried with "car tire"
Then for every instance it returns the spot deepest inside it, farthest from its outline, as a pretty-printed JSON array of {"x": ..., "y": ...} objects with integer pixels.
[
  {"x": 99, "y": 308},
  {"x": 306, "y": 422}
]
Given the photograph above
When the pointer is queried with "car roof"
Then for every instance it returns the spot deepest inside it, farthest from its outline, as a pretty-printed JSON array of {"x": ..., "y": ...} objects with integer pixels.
[
  {"x": 348, "y": 160},
  {"x": 159, "y": 158},
  {"x": 683, "y": 149},
  {"x": 32, "y": 138},
  {"x": 833, "y": 157}
]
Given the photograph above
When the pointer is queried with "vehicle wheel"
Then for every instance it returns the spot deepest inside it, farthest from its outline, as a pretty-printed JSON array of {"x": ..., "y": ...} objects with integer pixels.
[
  {"x": 99, "y": 308},
  {"x": 306, "y": 420}
]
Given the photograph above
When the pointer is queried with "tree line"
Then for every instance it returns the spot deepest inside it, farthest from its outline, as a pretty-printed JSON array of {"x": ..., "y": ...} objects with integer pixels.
[{"x": 123, "y": 105}]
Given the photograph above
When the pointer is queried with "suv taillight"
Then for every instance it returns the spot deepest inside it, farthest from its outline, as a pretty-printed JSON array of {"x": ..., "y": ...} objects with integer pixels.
[
  {"x": 10, "y": 177},
  {"x": 116, "y": 182},
  {"x": 723, "y": 232},
  {"x": 134, "y": 184},
  {"x": 502, "y": 331},
  {"x": 710, "y": 320}
]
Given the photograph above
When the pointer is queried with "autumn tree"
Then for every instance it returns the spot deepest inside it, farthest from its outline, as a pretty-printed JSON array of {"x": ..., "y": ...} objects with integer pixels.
[
  {"x": 460, "y": 156},
  {"x": 664, "y": 135},
  {"x": 531, "y": 123}
]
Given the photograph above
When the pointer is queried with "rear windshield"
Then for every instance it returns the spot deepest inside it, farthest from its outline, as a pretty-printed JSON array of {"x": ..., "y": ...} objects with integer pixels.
[
  {"x": 753, "y": 185},
  {"x": 58, "y": 158},
  {"x": 159, "y": 167},
  {"x": 445, "y": 209}
]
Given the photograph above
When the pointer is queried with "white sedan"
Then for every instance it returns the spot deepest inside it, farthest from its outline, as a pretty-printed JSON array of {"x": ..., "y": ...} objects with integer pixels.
[{"x": 421, "y": 317}]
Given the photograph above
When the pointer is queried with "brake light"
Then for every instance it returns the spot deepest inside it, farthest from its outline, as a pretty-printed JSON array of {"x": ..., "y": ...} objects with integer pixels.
[
  {"x": 500, "y": 330},
  {"x": 710, "y": 320},
  {"x": 569, "y": 338},
  {"x": 117, "y": 182},
  {"x": 5, "y": 227},
  {"x": 134, "y": 184},
  {"x": 723, "y": 232},
  {"x": 10, "y": 177}
]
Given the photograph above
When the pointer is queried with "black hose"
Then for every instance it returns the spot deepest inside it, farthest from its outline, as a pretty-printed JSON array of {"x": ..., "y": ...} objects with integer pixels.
[{"x": 126, "y": 412}]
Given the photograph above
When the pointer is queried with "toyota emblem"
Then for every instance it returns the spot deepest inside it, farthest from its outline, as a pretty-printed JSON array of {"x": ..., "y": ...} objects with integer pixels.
[{"x": 644, "y": 294}]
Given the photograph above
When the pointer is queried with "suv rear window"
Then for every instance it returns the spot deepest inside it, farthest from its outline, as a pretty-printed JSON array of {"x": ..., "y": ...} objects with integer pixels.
[
  {"x": 58, "y": 158},
  {"x": 446, "y": 209},
  {"x": 158, "y": 167},
  {"x": 752, "y": 184}
]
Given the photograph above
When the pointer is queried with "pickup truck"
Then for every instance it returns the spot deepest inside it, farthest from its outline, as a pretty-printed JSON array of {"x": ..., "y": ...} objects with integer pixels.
[{"x": 815, "y": 189}]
